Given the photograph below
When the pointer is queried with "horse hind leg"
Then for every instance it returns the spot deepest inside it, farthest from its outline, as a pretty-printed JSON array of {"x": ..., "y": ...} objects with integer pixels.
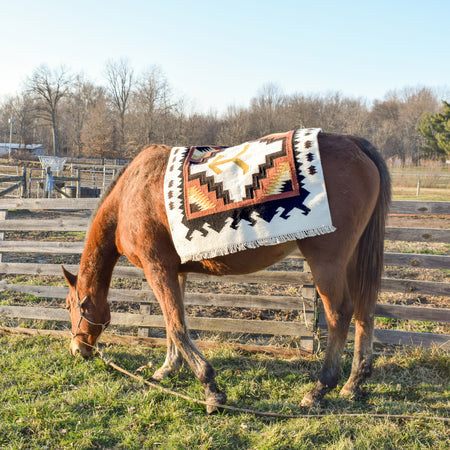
[
  {"x": 174, "y": 358},
  {"x": 333, "y": 289},
  {"x": 167, "y": 290},
  {"x": 362, "y": 359},
  {"x": 364, "y": 326}
]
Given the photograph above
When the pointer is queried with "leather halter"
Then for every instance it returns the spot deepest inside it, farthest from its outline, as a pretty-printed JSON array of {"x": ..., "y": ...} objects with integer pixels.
[{"x": 83, "y": 316}]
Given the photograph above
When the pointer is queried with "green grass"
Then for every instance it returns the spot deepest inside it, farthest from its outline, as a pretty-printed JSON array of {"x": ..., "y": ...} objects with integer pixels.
[
  {"x": 419, "y": 326},
  {"x": 51, "y": 400}
]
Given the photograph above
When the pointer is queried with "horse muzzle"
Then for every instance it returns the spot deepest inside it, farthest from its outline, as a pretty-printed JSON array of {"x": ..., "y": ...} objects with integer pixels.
[{"x": 77, "y": 347}]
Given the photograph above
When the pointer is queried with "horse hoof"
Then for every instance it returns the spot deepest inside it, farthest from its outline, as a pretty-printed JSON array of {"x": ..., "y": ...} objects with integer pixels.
[
  {"x": 163, "y": 372},
  {"x": 309, "y": 400},
  {"x": 160, "y": 375},
  {"x": 351, "y": 392},
  {"x": 215, "y": 399},
  {"x": 315, "y": 395},
  {"x": 210, "y": 409}
]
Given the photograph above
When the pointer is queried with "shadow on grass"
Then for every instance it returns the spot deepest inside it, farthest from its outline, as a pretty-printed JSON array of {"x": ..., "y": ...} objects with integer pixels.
[{"x": 272, "y": 384}]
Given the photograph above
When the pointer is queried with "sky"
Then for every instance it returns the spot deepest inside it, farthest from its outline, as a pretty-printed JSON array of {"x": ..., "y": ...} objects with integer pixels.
[{"x": 221, "y": 53}]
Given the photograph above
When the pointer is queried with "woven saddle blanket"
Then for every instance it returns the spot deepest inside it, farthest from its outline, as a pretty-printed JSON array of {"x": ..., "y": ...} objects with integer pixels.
[{"x": 221, "y": 200}]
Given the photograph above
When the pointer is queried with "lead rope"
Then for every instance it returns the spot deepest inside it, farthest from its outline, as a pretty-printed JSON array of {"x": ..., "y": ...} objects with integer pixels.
[{"x": 154, "y": 385}]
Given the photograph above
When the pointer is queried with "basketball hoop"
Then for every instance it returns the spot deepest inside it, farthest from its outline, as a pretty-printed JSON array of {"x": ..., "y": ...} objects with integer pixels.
[{"x": 55, "y": 163}]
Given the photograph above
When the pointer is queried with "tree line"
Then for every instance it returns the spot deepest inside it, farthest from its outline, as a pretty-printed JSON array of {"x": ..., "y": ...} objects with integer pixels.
[{"x": 71, "y": 115}]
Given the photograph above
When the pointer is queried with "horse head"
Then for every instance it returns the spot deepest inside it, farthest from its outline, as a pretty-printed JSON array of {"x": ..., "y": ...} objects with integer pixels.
[{"x": 87, "y": 321}]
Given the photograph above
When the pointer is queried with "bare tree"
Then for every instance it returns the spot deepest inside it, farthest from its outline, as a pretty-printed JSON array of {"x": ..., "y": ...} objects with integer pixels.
[
  {"x": 394, "y": 121},
  {"x": 48, "y": 88},
  {"x": 236, "y": 126},
  {"x": 153, "y": 101},
  {"x": 120, "y": 81},
  {"x": 130, "y": 112},
  {"x": 83, "y": 100},
  {"x": 99, "y": 134},
  {"x": 266, "y": 109},
  {"x": 19, "y": 106},
  {"x": 201, "y": 129}
]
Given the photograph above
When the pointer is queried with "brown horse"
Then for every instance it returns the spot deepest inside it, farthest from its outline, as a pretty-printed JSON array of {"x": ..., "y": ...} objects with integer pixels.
[{"x": 346, "y": 265}]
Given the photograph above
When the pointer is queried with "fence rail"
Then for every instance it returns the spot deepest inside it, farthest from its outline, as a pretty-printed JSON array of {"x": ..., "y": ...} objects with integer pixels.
[
  {"x": 20, "y": 184},
  {"x": 302, "y": 328},
  {"x": 75, "y": 182}
]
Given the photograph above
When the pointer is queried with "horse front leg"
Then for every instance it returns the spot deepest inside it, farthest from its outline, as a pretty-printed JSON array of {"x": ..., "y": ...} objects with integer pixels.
[
  {"x": 172, "y": 363},
  {"x": 168, "y": 293},
  {"x": 174, "y": 358}
]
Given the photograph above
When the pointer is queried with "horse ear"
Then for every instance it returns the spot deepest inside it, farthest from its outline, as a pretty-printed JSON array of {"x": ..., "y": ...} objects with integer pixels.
[{"x": 70, "y": 278}]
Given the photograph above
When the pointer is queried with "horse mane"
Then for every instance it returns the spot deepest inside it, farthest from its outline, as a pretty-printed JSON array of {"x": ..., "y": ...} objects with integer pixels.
[
  {"x": 110, "y": 187},
  {"x": 105, "y": 194}
]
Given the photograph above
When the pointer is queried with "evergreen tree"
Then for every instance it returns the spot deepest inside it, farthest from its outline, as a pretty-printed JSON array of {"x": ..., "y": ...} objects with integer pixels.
[{"x": 435, "y": 128}]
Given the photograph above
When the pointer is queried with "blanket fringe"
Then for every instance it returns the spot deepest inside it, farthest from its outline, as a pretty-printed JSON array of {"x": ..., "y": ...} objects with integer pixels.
[{"x": 233, "y": 248}]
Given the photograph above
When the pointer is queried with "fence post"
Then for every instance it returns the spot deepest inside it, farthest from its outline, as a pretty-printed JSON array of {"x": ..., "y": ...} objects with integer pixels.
[
  {"x": 418, "y": 186},
  {"x": 3, "y": 216},
  {"x": 78, "y": 195},
  {"x": 309, "y": 292},
  {"x": 23, "y": 188},
  {"x": 145, "y": 308}
]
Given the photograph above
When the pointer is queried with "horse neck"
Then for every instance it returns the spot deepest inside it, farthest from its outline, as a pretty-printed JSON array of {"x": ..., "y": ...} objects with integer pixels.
[{"x": 99, "y": 256}]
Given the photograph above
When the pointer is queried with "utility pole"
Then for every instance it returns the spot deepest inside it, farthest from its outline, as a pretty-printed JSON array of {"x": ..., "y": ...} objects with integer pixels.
[{"x": 10, "y": 133}]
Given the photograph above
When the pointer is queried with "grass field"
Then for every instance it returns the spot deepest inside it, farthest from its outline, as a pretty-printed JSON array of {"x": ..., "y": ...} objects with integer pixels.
[
  {"x": 51, "y": 400},
  {"x": 434, "y": 183},
  {"x": 426, "y": 194}
]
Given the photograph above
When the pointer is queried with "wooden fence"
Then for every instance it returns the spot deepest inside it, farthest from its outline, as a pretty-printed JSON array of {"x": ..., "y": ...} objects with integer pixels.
[
  {"x": 303, "y": 327},
  {"x": 11, "y": 183},
  {"x": 77, "y": 181}
]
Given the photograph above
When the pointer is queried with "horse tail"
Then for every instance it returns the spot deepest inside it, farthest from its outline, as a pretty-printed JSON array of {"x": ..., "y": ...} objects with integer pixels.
[{"x": 370, "y": 251}]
